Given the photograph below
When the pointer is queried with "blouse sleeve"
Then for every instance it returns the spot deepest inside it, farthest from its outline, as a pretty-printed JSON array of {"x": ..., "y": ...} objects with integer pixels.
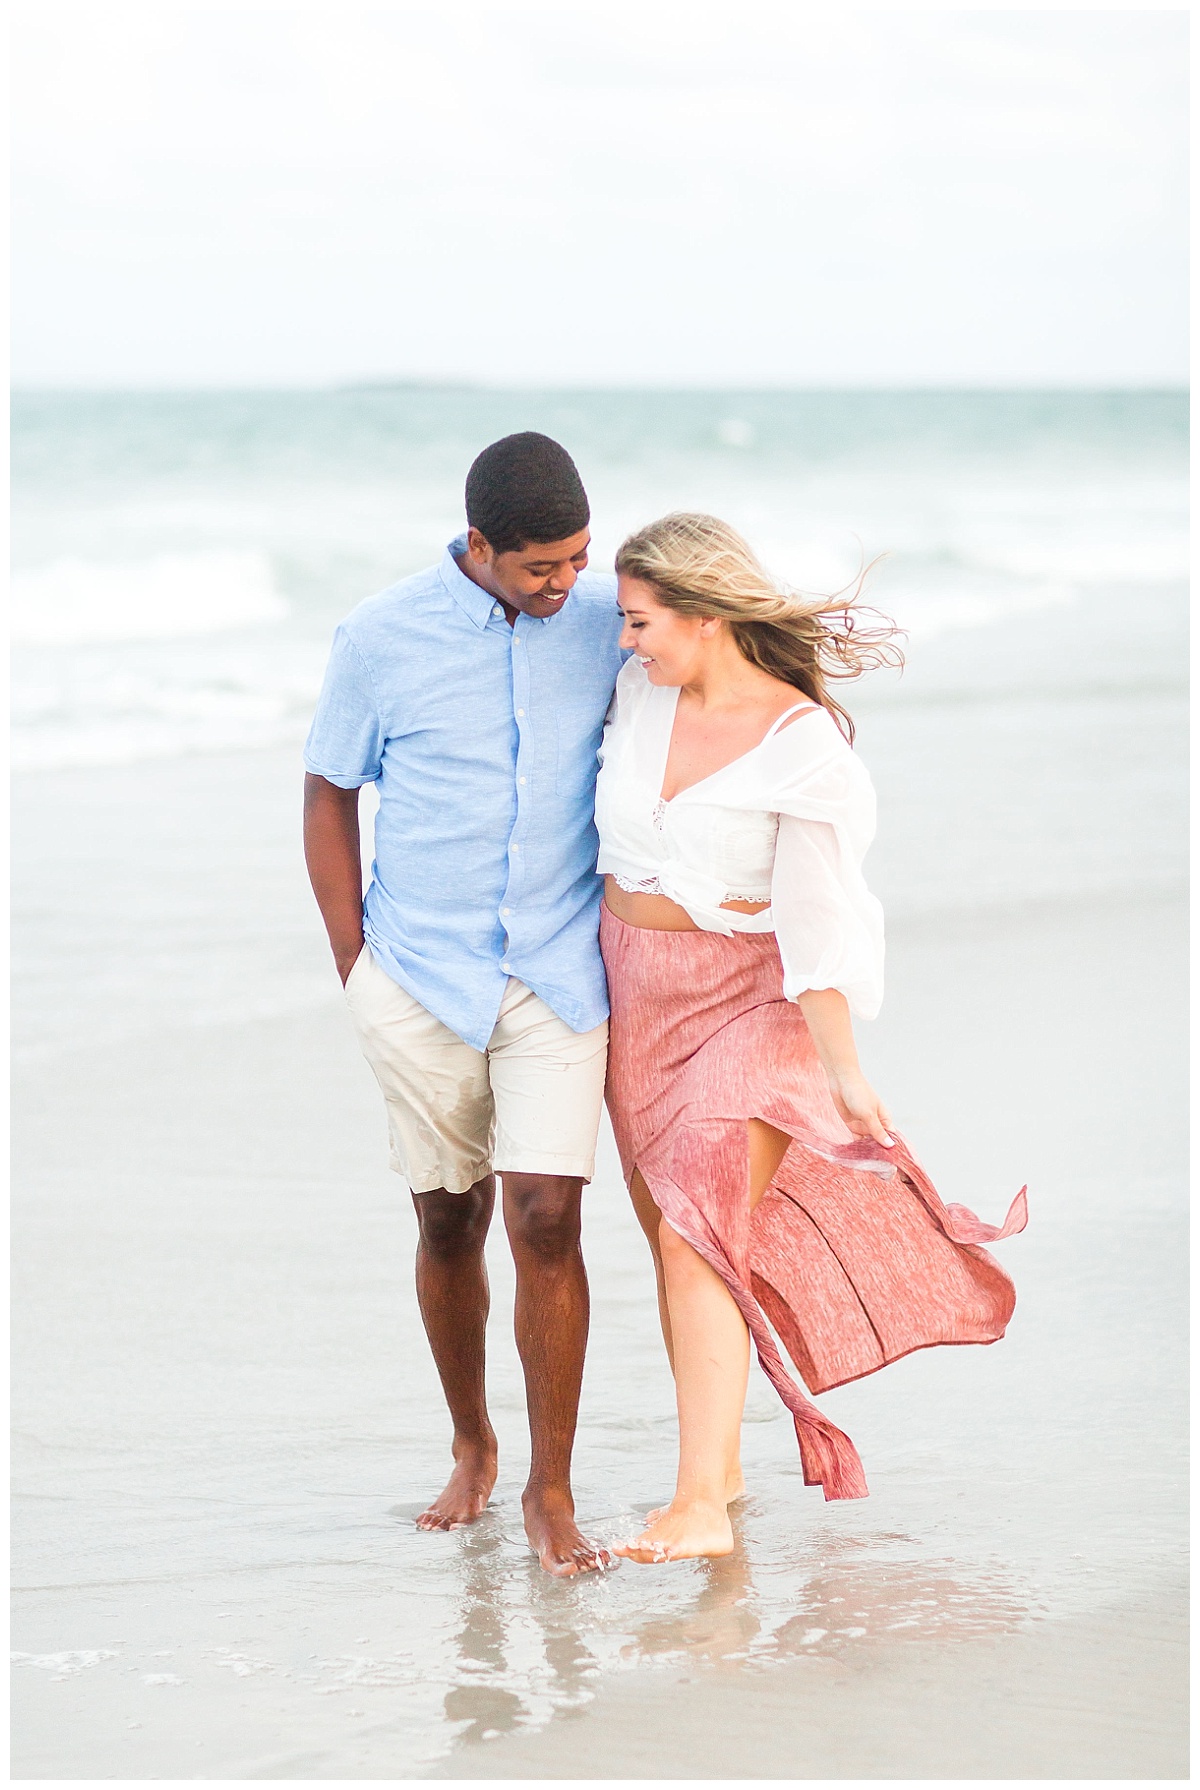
[
  {"x": 631, "y": 679},
  {"x": 828, "y": 924}
]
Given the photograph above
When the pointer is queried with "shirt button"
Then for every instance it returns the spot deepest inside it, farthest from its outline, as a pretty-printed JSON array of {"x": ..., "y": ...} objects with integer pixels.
[
  {"x": 514, "y": 848},
  {"x": 497, "y": 610},
  {"x": 516, "y": 636},
  {"x": 506, "y": 911},
  {"x": 520, "y": 779},
  {"x": 520, "y": 714}
]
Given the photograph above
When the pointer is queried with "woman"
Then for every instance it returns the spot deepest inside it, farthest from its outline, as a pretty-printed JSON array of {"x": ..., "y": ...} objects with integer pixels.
[{"x": 739, "y": 937}]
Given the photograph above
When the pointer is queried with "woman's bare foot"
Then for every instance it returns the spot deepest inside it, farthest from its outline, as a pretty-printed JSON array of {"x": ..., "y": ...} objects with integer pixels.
[
  {"x": 467, "y": 1490},
  {"x": 554, "y": 1537},
  {"x": 688, "y": 1529},
  {"x": 735, "y": 1488}
]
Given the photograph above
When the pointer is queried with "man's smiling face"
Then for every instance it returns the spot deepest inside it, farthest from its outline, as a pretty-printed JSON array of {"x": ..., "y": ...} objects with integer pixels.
[{"x": 532, "y": 580}]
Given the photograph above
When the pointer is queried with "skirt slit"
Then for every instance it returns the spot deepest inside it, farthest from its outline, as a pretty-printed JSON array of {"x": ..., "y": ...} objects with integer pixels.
[{"x": 850, "y": 1255}]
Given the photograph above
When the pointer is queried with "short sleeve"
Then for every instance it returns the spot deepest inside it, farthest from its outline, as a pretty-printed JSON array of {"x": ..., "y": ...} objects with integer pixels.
[{"x": 345, "y": 742}]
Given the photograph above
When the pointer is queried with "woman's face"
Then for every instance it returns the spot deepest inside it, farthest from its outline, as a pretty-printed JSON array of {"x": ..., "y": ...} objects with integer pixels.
[{"x": 670, "y": 647}]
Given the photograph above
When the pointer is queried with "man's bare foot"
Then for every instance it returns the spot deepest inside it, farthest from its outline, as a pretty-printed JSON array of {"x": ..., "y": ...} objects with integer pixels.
[
  {"x": 555, "y": 1539},
  {"x": 735, "y": 1488},
  {"x": 688, "y": 1529},
  {"x": 467, "y": 1490}
]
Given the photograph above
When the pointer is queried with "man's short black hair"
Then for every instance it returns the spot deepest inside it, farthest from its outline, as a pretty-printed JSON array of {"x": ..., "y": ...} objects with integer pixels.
[{"x": 525, "y": 489}]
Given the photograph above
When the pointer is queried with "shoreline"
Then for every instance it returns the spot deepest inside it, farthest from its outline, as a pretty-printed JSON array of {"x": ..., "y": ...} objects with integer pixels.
[
  {"x": 227, "y": 1418},
  {"x": 226, "y": 1423},
  {"x": 1096, "y": 1696}
]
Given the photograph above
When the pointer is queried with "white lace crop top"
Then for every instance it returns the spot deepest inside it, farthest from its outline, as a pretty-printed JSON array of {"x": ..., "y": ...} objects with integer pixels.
[{"x": 788, "y": 822}]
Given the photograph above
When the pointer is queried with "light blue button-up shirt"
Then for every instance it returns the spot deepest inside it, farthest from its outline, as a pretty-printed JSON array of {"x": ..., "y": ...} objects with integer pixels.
[{"x": 482, "y": 739}]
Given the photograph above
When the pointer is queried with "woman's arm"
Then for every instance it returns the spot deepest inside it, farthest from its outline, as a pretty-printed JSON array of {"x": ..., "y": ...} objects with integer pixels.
[
  {"x": 830, "y": 932},
  {"x": 331, "y": 851},
  {"x": 827, "y": 1014}
]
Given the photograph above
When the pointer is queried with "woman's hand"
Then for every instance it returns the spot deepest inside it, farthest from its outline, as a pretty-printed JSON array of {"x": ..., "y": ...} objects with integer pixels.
[
  {"x": 827, "y": 1016},
  {"x": 859, "y": 1105}
]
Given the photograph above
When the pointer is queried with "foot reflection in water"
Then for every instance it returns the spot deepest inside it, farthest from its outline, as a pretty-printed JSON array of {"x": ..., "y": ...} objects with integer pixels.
[
  {"x": 723, "y": 1619},
  {"x": 487, "y": 1709},
  {"x": 529, "y": 1647},
  {"x": 851, "y": 1595},
  {"x": 480, "y": 1698},
  {"x": 520, "y": 1658}
]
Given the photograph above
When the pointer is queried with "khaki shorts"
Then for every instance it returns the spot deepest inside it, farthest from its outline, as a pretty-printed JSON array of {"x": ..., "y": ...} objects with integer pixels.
[{"x": 528, "y": 1104}]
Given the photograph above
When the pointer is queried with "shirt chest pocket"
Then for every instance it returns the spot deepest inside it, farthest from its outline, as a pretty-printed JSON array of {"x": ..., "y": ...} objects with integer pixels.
[{"x": 566, "y": 724}]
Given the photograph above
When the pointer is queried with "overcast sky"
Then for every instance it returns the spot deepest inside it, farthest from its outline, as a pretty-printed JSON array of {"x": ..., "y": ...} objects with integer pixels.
[{"x": 656, "y": 194}]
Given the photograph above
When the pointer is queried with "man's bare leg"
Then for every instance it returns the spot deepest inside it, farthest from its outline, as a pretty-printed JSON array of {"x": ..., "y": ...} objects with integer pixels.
[
  {"x": 452, "y": 1291},
  {"x": 541, "y": 1214}
]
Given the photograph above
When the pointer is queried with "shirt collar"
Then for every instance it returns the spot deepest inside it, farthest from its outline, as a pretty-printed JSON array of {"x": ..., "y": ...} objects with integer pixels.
[{"x": 470, "y": 597}]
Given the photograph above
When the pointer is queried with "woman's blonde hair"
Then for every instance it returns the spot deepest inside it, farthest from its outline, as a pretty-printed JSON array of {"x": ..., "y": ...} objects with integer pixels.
[{"x": 698, "y": 565}]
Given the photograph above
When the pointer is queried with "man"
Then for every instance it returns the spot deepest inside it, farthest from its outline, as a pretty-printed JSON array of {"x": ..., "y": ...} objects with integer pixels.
[{"x": 474, "y": 696}]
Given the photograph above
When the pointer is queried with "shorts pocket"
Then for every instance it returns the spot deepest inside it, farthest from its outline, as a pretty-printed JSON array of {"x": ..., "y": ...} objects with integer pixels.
[{"x": 355, "y": 967}]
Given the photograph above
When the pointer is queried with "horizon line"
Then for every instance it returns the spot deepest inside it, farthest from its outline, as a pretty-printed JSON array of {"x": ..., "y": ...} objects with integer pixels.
[{"x": 416, "y": 386}]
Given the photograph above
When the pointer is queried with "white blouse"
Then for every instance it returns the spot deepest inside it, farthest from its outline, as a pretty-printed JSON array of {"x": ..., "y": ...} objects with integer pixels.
[{"x": 788, "y": 822}]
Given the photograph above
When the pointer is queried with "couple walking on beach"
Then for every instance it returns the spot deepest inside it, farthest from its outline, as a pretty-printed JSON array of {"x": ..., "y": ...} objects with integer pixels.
[{"x": 533, "y": 727}]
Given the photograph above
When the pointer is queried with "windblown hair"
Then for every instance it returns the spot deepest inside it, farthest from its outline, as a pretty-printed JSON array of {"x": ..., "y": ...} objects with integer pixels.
[
  {"x": 523, "y": 490},
  {"x": 698, "y": 565}
]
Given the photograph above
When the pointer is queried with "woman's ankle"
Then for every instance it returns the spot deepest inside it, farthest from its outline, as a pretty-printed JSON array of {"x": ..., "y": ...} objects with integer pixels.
[{"x": 706, "y": 1496}]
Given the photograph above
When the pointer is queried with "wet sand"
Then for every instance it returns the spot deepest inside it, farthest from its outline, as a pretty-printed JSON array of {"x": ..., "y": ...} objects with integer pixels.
[
  {"x": 226, "y": 1425},
  {"x": 226, "y": 1417},
  {"x": 1097, "y": 1696}
]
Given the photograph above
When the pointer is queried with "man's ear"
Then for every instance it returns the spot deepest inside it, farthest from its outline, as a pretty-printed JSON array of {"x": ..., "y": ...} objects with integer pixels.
[{"x": 478, "y": 547}]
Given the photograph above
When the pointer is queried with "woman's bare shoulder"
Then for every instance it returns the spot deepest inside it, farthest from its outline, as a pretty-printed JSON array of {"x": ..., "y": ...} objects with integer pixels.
[{"x": 807, "y": 740}]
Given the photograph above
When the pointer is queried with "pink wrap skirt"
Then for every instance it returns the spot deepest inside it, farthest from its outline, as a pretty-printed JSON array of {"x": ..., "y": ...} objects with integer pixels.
[{"x": 850, "y": 1255}]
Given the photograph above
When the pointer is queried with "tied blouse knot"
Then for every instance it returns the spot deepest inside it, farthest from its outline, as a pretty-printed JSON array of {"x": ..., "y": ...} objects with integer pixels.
[{"x": 789, "y": 823}]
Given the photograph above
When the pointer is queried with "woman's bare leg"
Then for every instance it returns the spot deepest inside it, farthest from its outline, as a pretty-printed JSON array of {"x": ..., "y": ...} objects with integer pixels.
[
  {"x": 712, "y": 1361},
  {"x": 768, "y": 1147},
  {"x": 649, "y": 1217}
]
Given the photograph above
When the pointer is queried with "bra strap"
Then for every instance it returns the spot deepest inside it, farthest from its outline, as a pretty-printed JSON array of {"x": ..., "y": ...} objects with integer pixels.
[{"x": 795, "y": 709}]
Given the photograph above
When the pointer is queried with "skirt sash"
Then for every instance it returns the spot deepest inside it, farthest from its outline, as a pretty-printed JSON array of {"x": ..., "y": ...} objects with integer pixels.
[{"x": 851, "y": 1255}]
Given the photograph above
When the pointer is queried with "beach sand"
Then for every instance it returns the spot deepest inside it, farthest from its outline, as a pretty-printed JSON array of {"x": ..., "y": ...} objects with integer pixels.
[
  {"x": 226, "y": 1417},
  {"x": 1090, "y": 1697}
]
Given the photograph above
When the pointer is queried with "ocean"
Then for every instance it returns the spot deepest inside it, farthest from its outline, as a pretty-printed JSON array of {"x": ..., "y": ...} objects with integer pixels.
[
  {"x": 226, "y": 1416},
  {"x": 180, "y": 560}
]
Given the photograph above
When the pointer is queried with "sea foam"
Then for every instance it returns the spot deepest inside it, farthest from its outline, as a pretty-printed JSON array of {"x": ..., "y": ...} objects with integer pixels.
[{"x": 72, "y": 602}]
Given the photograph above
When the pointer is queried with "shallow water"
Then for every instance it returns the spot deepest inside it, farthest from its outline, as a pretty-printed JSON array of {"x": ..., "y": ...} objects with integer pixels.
[
  {"x": 226, "y": 1414},
  {"x": 227, "y": 1418}
]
